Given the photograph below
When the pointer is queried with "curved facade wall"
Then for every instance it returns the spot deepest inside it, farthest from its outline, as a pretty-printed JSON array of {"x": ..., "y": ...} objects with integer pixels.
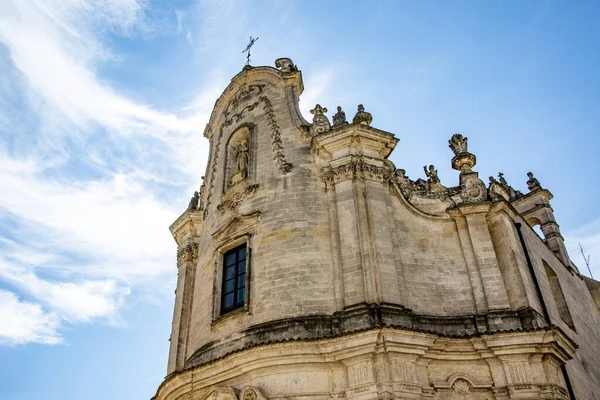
[{"x": 359, "y": 282}]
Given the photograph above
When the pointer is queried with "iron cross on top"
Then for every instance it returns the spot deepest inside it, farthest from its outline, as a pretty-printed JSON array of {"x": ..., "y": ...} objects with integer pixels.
[{"x": 247, "y": 49}]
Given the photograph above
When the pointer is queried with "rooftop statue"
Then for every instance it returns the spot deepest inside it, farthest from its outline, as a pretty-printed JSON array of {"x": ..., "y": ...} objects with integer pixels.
[
  {"x": 533, "y": 183},
  {"x": 339, "y": 117}
]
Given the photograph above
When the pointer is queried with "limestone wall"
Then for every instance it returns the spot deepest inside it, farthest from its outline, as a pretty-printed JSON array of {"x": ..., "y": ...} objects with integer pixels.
[
  {"x": 584, "y": 369},
  {"x": 342, "y": 243}
]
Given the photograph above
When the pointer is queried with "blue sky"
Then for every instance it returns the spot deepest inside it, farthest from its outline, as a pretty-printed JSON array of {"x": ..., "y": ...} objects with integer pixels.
[{"x": 102, "y": 108}]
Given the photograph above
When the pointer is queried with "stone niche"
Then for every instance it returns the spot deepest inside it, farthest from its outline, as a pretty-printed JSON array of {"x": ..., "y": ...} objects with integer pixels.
[{"x": 237, "y": 166}]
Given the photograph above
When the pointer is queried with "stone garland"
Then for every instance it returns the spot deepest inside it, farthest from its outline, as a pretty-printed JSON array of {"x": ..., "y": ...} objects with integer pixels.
[{"x": 283, "y": 166}]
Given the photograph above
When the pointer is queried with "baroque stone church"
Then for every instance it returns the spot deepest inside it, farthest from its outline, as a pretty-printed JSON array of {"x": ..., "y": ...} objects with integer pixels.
[{"x": 310, "y": 267}]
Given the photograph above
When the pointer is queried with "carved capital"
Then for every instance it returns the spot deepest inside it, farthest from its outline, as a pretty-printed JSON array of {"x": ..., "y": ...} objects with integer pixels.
[
  {"x": 357, "y": 169},
  {"x": 187, "y": 253}
]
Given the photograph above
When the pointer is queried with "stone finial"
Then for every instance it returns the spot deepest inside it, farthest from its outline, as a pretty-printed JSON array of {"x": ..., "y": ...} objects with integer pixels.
[
  {"x": 533, "y": 183},
  {"x": 458, "y": 144},
  {"x": 362, "y": 117},
  {"x": 193, "y": 206},
  {"x": 339, "y": 117},
  {"x": 320, "y": 121},
  {"x": 285, "y": 65},
  {"x": 462, "y": 161},
  {"x": 502, "y": 179}
]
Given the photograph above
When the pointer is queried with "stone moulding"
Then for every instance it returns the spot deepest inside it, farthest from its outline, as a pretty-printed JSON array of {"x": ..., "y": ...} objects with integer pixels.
[
  {"x": 365, "y": 317},
  {"x": 359, "y": 353}
]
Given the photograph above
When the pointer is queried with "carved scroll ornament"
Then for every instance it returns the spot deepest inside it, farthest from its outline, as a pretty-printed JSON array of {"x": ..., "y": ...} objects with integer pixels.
[{"x": 320, "y": 121}]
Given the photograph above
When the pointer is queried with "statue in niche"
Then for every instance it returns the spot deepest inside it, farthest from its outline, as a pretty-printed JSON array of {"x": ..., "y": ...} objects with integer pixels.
[
  {"x": 339, "y": 117},
  {"x": 241, "y": 158},
  {"x": 193, "y": 206},
  {"x": 241, "y": 152},
  {"x": 533, "y": 183}
]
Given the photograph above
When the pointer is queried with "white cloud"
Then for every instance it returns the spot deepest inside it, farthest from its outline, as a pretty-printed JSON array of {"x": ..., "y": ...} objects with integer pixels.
[
  {"x": 71, "y": 301},
  {"x": 114, "y": 220},
  {"x": 22, "y": 322},
  {"x": 317, "y": 86},
  {"x": 52, "y": 45}
]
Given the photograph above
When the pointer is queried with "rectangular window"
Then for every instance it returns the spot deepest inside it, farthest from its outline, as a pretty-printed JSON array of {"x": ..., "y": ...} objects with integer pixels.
[{"x": 233, "y": 293}]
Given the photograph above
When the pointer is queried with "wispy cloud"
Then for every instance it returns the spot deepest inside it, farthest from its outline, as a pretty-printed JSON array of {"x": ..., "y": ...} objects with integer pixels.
[{"x": 85, "y": 184}]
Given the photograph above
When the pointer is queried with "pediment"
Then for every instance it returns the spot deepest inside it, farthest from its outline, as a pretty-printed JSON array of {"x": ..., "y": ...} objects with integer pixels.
[{"x": 237, "y": 226}]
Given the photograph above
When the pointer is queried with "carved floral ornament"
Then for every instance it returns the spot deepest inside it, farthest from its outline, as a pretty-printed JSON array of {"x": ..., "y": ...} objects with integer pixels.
[{"x": 234, "y": 196}]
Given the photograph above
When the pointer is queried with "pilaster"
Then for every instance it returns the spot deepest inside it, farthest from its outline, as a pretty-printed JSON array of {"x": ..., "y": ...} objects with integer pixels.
[
  {"x": 357, "y": 179},
  {"x": 184, "y": 230}
]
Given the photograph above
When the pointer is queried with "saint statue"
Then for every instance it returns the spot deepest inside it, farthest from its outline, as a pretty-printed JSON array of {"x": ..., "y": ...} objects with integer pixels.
[
  {"x": 241, "y": 158},
  {"x": 339, "y": 117}
]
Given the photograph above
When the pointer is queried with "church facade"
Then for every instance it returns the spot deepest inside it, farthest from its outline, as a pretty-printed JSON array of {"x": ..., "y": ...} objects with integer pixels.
[{"x": 311, "y": 267}]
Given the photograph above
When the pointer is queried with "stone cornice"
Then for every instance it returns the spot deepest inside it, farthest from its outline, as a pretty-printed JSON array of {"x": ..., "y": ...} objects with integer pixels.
[
  {"x": 356, "y": 345},
  {"x": 352, "y": 140},
  {"x": 186, "y": 226}
]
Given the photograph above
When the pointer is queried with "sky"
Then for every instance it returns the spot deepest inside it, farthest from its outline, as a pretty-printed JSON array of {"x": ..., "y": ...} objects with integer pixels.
[{"x": 102, "y": 108}]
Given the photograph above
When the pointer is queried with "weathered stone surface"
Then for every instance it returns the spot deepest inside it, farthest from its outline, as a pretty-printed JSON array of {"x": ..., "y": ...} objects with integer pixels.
[{"x": 363, "y": 283}]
